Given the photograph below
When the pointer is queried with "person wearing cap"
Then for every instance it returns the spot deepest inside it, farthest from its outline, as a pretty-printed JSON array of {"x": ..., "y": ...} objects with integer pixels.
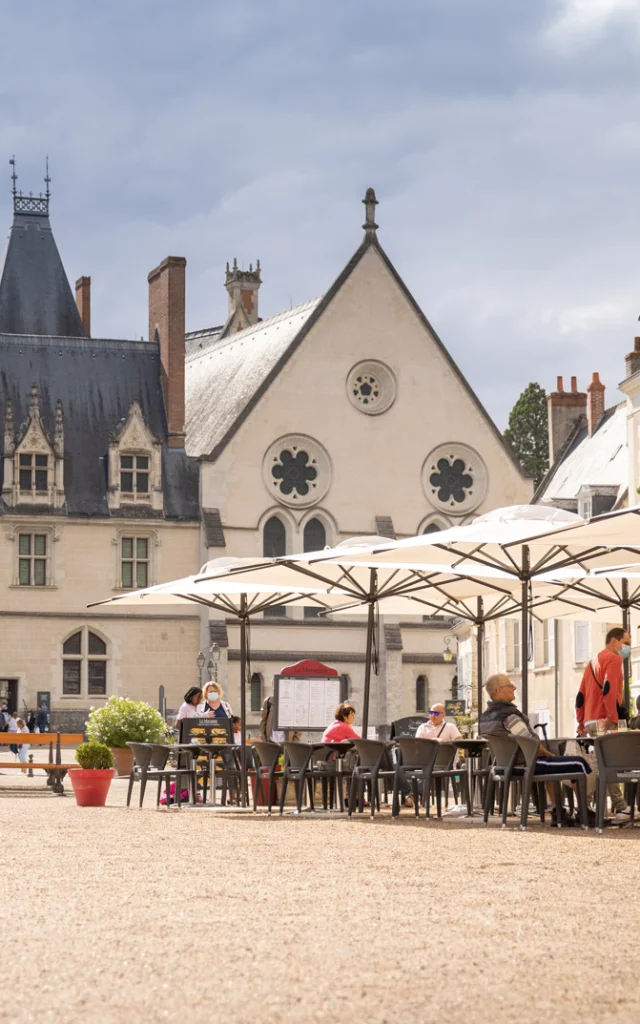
[{"x": 437, "y": 728}]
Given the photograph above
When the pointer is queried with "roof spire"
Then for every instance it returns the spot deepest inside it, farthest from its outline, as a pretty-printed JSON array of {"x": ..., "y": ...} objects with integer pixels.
[
  {"x": 30, "y": 204},
  {"x": 14, "y": 176},
  {"x": 370, "y": 203},
  {"x": 47, "y": 180}
]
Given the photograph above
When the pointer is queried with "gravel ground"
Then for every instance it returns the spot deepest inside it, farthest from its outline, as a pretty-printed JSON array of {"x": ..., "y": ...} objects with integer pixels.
[{"x": 131, "y": 916}]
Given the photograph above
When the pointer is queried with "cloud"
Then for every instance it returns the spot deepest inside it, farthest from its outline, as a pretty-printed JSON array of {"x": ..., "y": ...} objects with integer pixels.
[{"x": 580, "y": 22}]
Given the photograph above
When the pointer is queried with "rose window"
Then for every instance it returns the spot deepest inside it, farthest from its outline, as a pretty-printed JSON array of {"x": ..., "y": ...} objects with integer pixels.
[
  {"x": 454, "y": 478},
  {"x": 297, "y": 470},
  {"x": 371, "y": 387}
]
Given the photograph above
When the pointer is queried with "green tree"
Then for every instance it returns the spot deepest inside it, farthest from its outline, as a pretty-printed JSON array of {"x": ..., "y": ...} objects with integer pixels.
[{"x": 527, "y": 431}]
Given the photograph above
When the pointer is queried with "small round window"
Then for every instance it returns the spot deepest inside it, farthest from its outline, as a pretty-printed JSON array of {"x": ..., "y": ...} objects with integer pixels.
[
  {"x": 371, "y": 387},
  {"x": 454, "y": 478},
  {"x": 297, "y": 470}
]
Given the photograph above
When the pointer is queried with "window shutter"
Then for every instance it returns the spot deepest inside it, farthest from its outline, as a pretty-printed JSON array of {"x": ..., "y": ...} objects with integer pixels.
[{"x": 581, "y": 642}]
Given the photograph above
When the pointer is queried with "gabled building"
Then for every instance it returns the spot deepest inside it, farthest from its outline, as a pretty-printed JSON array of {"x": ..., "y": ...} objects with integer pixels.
[{"x": 97, "y": 492}]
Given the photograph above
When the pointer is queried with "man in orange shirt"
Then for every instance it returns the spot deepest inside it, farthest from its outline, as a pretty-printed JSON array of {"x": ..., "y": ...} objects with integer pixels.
[{"x": 597, "y": 702}]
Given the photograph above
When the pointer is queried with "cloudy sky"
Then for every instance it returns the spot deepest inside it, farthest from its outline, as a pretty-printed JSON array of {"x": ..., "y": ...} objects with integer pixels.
[{"x": 502, "y": 137}]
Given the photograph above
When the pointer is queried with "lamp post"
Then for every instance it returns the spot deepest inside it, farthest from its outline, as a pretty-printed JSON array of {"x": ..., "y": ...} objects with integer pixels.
[
  {"x": 200, "y": 660},
  {"x": 212, "y": 664}
]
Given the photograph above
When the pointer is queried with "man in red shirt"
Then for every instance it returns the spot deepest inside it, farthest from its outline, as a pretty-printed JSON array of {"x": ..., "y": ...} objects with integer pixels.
[{"x": 597, "y": 702}]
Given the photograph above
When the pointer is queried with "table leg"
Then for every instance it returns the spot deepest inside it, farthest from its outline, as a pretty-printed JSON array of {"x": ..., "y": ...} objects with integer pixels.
[
  {"x": 212, "y": 779},
  {"x": 470, "y": 785}
]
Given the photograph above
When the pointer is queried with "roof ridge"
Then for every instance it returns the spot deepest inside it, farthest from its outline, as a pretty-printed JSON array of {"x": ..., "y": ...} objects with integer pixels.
[{"x": 253, "y": 328}]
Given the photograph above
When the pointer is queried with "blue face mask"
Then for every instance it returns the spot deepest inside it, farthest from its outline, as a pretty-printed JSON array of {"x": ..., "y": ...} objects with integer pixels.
[{"x": 625, "y": 651}]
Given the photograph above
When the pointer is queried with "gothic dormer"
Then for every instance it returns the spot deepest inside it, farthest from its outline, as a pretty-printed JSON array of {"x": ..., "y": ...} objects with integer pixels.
[
  {"x": 135, "y": 464},
  {"x": 34, "y": 466}
]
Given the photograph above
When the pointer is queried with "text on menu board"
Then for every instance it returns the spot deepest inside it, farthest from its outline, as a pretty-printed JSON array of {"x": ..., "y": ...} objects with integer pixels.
[{"x": 307, "y": 703}]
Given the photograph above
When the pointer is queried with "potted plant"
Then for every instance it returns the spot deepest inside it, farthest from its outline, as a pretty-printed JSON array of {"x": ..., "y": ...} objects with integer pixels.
[
  {"x": 91, "y": 780},
  {"x": 120, "y": 721},
  {"x": 465, "y": 724}
]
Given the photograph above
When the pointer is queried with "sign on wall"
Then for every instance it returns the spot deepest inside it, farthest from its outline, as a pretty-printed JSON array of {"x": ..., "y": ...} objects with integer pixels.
[
  {"x": 453, "y": 708},
  {"x": 43, "y": 700}
]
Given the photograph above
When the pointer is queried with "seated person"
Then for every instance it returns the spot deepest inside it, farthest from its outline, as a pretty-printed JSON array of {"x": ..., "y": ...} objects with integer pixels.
[
  {"x": 437, "y": 728},
  {"x": 189, "y": 709},
  {"x": 501, "y": 716},
  {"x": 342, "y": 727}
]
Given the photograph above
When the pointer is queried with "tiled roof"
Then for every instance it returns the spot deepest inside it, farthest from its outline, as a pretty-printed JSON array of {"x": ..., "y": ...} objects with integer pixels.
[{"x": 600, "y": 460}]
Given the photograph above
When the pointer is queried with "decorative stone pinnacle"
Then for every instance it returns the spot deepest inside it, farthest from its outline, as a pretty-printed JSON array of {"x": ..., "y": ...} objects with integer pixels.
[{"x": 370, "y": 203}]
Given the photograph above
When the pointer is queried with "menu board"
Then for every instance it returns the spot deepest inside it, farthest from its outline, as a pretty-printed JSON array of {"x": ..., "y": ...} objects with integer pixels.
[
  {"x": 306, "y": 703},
  {"x": 206, "y": 730}
]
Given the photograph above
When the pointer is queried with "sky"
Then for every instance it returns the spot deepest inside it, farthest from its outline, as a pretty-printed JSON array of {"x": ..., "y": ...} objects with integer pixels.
[{"x": 502, "y": 138}]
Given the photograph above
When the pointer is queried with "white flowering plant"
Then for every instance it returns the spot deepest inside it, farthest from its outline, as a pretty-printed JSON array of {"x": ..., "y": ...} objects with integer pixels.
[{"x": 121, "y": 720}]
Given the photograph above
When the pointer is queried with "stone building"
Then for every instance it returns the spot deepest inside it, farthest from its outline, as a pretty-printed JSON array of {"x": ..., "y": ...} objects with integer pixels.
[
  {"x": 343, "y": 416},
  {"x": 98, "y": 494}
]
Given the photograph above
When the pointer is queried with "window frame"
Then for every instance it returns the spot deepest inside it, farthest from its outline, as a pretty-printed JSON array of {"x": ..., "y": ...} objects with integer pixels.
[
  {"x": 422, "y": 699},
  {"x": 32, "y": 559},
  {"x": 276, "y": 611},
  {"x": 85, "y": 658},
  {"x": 52, "y": 536},
  {"x": 134, "y": 494},
  {"x": 34, "y": 469},
  {"x": 134, "y": 533},
  {"x": 134, "y": 561}
]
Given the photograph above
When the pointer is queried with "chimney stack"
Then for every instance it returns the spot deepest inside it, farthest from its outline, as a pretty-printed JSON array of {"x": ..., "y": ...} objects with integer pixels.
[
  {"x": 565, "y": 409},
  {"x": 166, "y": 325},
  {"x": 595, "y": 404},
  {"x": 83, "y": 302},
  {"x": 632, "y": 360},
  {"x": 243, "y": 287}
]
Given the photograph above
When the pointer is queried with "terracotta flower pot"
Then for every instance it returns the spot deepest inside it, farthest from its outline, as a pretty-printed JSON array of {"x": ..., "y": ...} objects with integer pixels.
[
  {"x": 91, "y": 785},
  {"x": 123, "y": 756}
]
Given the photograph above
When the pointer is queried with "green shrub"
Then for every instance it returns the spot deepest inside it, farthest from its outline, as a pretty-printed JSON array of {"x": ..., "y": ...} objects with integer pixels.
[
  {"x": 94, "y": 755},
  {"x": 121, "y": 720}
]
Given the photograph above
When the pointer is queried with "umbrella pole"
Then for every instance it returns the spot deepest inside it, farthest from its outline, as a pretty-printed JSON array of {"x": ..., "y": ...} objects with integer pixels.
[
  {"x": 480, "y": 649},
  {"x": 524, "y": 630},
  {"x": 626, "y": 625},
  {"x": 369, "y": 655},
  {"x": 244, "y": 625}
]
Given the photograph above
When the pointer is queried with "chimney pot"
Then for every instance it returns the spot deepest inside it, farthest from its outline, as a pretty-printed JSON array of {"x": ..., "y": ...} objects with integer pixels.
[
  {"x": 83, "y": 302},
  {"x": 574, "y": 385},
  {"x": 632, "y": 359},
  {"x": 167, "y": 324},
  {"x": 560, "y": 384},
  {"x": 565, "y": 408}
]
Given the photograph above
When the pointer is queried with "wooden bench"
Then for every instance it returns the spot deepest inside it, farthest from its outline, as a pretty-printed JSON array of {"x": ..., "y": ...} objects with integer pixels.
[{"x": 55, "y": 768}]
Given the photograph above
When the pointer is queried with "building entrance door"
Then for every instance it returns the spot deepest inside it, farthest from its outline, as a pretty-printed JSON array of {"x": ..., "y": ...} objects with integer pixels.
[{"x": 9, "y": 694}]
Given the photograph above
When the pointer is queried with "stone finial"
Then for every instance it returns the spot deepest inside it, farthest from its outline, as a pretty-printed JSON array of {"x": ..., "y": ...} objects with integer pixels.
[
  {"x": 34, "y": 403},
  {"x": 58, "y": 433},
  {"x": 370, "y": 203},
  {"x": 9, "y": 438}
]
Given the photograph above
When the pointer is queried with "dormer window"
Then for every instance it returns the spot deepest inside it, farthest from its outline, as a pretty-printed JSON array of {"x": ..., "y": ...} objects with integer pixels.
[
  {"x": 34, "y": 473},
  {"x": 134, "y": 475}
]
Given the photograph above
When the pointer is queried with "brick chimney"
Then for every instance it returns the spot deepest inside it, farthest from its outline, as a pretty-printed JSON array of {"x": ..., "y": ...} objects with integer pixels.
[
  {"x": 166, "y": 325},
  {"x": 565, "y": 409},
  {"x": 243, "y": 287},
  {"x": 83, "y": 302},
  {"x": 632, "y": 360},
  {"x": 595, "y": 403}
]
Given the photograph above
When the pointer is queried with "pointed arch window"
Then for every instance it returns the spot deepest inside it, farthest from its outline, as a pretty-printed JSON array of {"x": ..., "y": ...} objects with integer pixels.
[
  {"x": 84, "y": 664},
  {"x": 422, "y": 693},
  {"x": 256, "y": 692},
  {"x": 274, "y": 545},
  {"x": 314, "y": 538}
]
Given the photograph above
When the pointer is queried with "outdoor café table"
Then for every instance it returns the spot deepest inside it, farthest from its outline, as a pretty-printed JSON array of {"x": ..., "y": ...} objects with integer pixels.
[
  {"x": 472, "y": 749},
  {"x": 210, "y": 750}
]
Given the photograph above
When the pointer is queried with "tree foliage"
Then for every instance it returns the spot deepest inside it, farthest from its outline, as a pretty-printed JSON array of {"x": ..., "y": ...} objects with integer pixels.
[{"x": 527, "y": 431}]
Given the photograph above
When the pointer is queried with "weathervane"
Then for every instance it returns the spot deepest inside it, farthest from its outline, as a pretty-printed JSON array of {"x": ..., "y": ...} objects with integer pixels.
[{"x": 14, "y": 176}]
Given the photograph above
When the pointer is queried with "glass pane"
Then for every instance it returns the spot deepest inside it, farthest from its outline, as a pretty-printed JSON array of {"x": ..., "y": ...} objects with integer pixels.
[
  {"x": 127, "y": 574},
  {"x": 142, "y": 575},
  {"x": 314, "y": 537},
  {"x": 40, "y": 544},
  {"x": 41, "y": 480},
  {"x": 256, "y": 692},
  {"x": 274, "y": 538},
  {"x": 142, "y": 547},
  {"x": 73, "y": 644},
  {"x": 40, "y": 572},
  {"x": 71, "y": 676},
  {"x": 42, "y": 460},
  {"x": 25, "y": 460},
  {"x": 312, "y": 613},
  {"x": 127, "y": 547},
  {"x": 25, "y": 479},
  {"x": 126, "y": 462},
  {"x": 142, "y": 483},
  {"x": 274, "y": 613},
  {"x": 142, "y": 462},
  {"x": 126, "y": 482},
  {"x": 96, "y": 645},
  {"x": 24, "y": 572},
  {"x": 24, "y": 544},
  {"x": 97, "y": 677}
]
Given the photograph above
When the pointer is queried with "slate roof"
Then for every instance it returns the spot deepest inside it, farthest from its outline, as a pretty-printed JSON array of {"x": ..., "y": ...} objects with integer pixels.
[
  {"x": 96, "y": 381},
  {"x": 225, "y": 378},
  {"x": 385, "y": 527},
  {"x": 213, "y": 529},
  {"x": 393, "y": 636},
  {"x": 218, "y": 632},
  {"x": 599, "y": 461},
  {"x": 35, "y": 295}
]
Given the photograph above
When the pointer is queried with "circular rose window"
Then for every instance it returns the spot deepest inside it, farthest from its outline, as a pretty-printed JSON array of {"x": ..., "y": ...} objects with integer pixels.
[
  {"x": 297, "y": 470},
  {"x": 371, "y": 387},
  {"x": 454, "y": 478}
]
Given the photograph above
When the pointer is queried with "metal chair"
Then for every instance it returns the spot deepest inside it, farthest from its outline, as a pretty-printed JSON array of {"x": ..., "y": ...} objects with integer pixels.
[
  {"x": 444, "y": 770},
  {"x": 618, "y": 758},
  {"x": 265, "y": 767},
  {"x": 530, "y": 748},
  {"x": 140, "y": 771},
  {"x": 326, "y": 767},
  {"x": 415, "y": 762},
  {"x": 504, "y": 750},
  {"x": 372, "y": 756},
  {"x": 160, "y": 753},
  {"x": 297, "y": 762}
]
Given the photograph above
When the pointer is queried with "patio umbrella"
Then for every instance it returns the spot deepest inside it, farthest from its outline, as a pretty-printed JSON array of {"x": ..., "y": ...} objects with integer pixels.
[{"x": 230, "y": 595}]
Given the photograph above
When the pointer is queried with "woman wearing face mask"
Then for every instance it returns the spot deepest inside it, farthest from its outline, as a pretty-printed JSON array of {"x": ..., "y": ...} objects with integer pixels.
[
  {"x": 212, "y": 701},
  {"x": 189, "y": 709}
]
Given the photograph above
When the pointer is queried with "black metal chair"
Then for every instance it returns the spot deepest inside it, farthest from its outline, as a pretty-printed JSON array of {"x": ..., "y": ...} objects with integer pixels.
[
  {"x": 504, "y": 751},
  {"x": 370, "y": 769},
  {"x": 298, "y": 769},
  {"x": 140, "y": 771},
  {"x": 618, "y": 758},
  {"x": 415, "y": 761},
  {"x": 163, "y": 771},
  {"x": 444, "y": 770},
  {"x": 530, "y": 748},
  {"x": 328, "y": 769},
  {"x": 265, "y": 768}
]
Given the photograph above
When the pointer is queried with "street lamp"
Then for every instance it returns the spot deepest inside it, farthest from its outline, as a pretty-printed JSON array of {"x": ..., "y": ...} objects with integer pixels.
[
  {"x": 214, "y": 658},
  {"x": 200, "y": 660},
  {"x": 447, "y": 654}
]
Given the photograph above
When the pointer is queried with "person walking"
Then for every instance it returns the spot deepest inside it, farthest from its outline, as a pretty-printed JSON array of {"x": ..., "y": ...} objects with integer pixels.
[
  {"x": 23, "y": 749},
  {"x": 599, "y": 701},
  {"x": 12, "y": 726},
  {"x": 42, "y": 720}
]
